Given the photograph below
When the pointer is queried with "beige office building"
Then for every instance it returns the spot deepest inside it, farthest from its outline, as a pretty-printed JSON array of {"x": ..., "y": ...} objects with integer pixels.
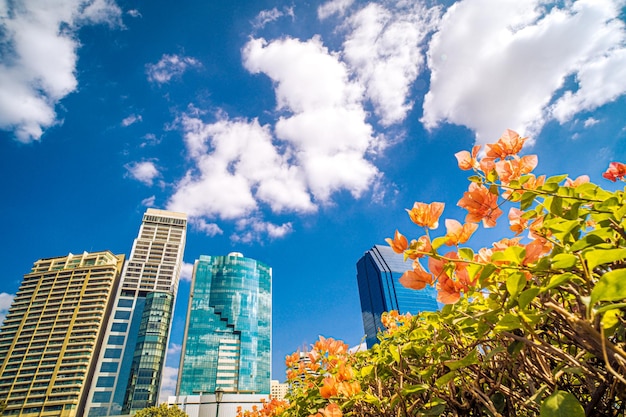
[{"x": 51, "y": 337}]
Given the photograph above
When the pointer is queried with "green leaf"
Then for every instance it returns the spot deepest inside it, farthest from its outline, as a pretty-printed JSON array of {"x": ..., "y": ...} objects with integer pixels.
[
  {"x": 476, "y": 178},
  {"x": 395, "y": 354},
  {"x": 561, "y": 404},
  {"x": 366, "y": 370},
  {"x": 527, "y": 296},
  {"x": 610, "y": 287},
  {"x": 443, "y": 380},
  {"x": 556, "y": 179},
  {"x": 415, "y": 389},
  {"x": 611, "y": 318},
  {"x": 557, "y": 280},
  {"x": 515, "y": 347},
  {"x": 439, "y": 242},
  {"x": 507, "y": 323},
  {"x": 556, "y": 206},
  {"x": 595, "y": 257},
  {"x": 596, "y": 237},
  {"x": 470, "y": 359},
  {"x": 466, "y": 253},
  {"x": 527, "y": 200},
  {"x": 515, "y": 282},
  {"x": 564, "y": 261}
]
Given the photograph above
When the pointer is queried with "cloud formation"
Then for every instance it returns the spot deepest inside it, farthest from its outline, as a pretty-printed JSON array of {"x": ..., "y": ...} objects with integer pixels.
[
  {"x": 501, "y": 63},
  {"x": 170, "y": 66},
  {"x": 145, "y": 171},
  {"x": 384, "y": 47},
  {"x": 131, "y": 119},
  {"x": 5, "y": 304},
  {"x": 39, "y": 58}
]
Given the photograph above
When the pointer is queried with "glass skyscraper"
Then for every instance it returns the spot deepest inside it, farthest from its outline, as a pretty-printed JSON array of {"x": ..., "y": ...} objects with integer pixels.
[
  {"x": 378, "y": 274},
  {"x": 52, "y": 335},
  {"x": 227, "y": 342},
  {"x": 131, "y": 362}
]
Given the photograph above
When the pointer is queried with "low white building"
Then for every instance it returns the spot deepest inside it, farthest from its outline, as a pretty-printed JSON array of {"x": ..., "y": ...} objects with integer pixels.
[{"x": 207, "y": 405}]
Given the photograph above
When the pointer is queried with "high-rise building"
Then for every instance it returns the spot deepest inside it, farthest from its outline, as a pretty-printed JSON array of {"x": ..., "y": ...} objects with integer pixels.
[
  {"x": 130, "y": 365},
  {"x": 227, "y": 342},
  {"x": 53, "y": 333},
  {"x": 378, "y": 274}
]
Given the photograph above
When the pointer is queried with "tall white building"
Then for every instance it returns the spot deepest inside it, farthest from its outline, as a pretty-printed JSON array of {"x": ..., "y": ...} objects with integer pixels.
[{"x": 130, "y": 364}]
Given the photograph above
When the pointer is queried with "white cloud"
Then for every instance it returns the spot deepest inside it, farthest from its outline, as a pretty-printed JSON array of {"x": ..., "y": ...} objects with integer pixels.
[
  {"x": 168, "y": 383},
  {"x": 266, "y": 16},
  {"x": 332, "y": 7},
  {"x": 385, "y": 48},
  {"x": 186, "y": 272},
  {"x": 498, "y": 64},
  {"x": 39, "y": 62},
  {"x": 241, "y": 170},
  {"x": 255, "y": 229},
  {"x": 148, "y": 202},
  {"x": 170, "y": 66},
  {"x": 132, "y": 119},
  {"x": 209, "y": 229},
  {"x": 145, "y": 171},
  {"x": 134, "y": 13},
  {"x": 591, "y": 121},
  {"x": 325, "y": 127},
  {"x": 5, "y": 304}
]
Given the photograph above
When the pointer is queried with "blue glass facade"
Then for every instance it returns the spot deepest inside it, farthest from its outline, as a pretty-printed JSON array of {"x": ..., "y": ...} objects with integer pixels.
[
  {"x": 227, "y": 341},
  {"x": 378, "y": 274}
]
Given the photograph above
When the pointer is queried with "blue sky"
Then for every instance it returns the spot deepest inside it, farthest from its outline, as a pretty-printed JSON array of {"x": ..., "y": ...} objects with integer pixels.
[{"x": 293, "y": 132}]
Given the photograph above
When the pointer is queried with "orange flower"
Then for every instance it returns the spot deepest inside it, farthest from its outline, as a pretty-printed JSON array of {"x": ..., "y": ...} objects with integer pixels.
[
  {"x": 616, "y": 171},
  {"x": 583, "y": 179},
  {"x": 330, "y": 346},
  {"x": 447, "y": 290},
  {"x": 331, "y": 410},
  {"x": 457, "y": 233},
  {"x": 466, "y": 160},
  {"x": 510, "y": 143},
  {"x": 329, "y": 388},
  {"x": 449, "y": 287},
  {"x": 426, "y": 215},
  {"x": 399, "y": 242},
  {"x": 292, "y": 359},
  {"x": 417, "y": 278},
  {"x": 483, "y": 256},
  {"x": 349, "y": 389},
  {"x": 502, "y": 244},
  {"x": 481, "y": 205},
  {"x": 517, "y": 223},
  {"x": 487, "y": 165},
  {"x": 512, "y": 169},
  {"x": 419, "y": 248},
  {"x": 536, "y": 249}
]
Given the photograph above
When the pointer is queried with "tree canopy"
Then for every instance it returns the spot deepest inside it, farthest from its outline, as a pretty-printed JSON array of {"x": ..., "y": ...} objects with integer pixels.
[{"x": 162, "y": 410}]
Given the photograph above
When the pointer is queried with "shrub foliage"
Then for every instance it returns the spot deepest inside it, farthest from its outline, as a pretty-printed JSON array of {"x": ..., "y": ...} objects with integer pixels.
[{"x": 532, "y": 325}]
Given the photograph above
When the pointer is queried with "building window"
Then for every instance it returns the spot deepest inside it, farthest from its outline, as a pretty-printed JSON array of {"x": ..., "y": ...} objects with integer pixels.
[
  {"x": 122, "y": 315},
  {"x": 102, "y": 397},
  {"x": 109, "y": 367},
  {"x": 124, "y": 302},
  {"x": 116, "y": 340},
  {"x": 105, "y": 382},
  {"x": 113, "y": 353},
  {"x": 119, "y": 327}
]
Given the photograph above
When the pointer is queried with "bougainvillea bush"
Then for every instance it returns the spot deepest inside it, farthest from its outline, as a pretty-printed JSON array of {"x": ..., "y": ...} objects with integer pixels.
[{"x": 533, "y": 325}]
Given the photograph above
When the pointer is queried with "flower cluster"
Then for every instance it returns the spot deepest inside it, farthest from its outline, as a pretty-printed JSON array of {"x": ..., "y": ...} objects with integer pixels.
[{"x": 501, "y": 176}]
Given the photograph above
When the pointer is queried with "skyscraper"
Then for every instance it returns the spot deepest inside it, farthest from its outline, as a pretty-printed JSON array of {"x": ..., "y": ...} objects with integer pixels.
[
  {"x": 227, "y": 342},
  {"x": 378, "y": 274},
  {"x": 131, "y": 363},
  {"x": 52, "y": 334}
]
